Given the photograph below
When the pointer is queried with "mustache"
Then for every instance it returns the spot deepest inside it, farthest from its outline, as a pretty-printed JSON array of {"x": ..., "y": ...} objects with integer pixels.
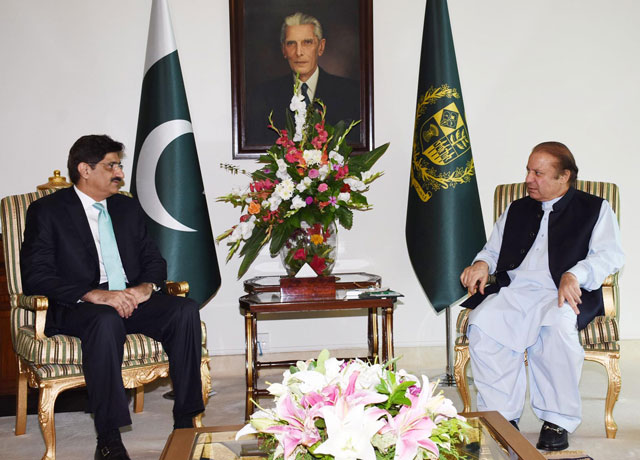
[{"x": 117, "y": 180}]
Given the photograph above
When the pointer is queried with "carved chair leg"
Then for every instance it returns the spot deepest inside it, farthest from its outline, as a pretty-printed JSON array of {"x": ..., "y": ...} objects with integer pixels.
[
  {"x": 206, "y": 389},
  {"x": 21, "y": 400},
  {"x": 138, "y": 399},
  {"x": 460, "y": 374},
  {"x": 610, "y": 361},
  {"x": 48, "y": 395}
]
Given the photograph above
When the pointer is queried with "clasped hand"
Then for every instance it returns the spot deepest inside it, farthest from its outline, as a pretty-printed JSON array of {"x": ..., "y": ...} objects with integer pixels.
[
  {"x": 125, "y": 301},
  {"x": 475, "y": 277}
]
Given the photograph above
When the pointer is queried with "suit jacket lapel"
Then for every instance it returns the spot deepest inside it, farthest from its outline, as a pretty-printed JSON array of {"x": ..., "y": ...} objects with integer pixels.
[{"x": 78, "y": 217}]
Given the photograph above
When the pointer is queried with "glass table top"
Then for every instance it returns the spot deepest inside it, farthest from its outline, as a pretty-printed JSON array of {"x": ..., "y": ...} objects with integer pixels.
[{"x": 482, "y": 445}]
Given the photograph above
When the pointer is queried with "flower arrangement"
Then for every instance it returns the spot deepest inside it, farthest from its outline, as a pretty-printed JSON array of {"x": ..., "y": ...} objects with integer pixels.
[
  {"x": 334, "y": 409},
  {"x": 308, "y": 175}
]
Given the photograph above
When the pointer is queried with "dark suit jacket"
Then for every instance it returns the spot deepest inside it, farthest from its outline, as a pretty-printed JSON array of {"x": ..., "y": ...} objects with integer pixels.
[
  {"x": 340, "y": 95},
  {"x": 59, "y": 258}
]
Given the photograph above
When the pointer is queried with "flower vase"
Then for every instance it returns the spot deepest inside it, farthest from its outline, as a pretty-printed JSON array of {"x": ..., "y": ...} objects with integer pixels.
[{"x": 311, "y": 244}]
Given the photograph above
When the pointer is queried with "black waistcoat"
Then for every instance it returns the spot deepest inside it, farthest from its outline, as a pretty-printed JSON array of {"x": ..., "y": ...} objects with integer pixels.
[{"x": 570, "y": 226}]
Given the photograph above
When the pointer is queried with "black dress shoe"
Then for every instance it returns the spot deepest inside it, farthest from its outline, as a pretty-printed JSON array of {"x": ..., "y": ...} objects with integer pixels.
[
  {"x": 552, "y": 437},
  {"x": 112, "y": 449},
  {"x": 515, "y": 424}
]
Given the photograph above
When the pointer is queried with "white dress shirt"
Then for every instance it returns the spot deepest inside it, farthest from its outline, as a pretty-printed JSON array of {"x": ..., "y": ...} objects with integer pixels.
[{"x": 92, "y": 216}]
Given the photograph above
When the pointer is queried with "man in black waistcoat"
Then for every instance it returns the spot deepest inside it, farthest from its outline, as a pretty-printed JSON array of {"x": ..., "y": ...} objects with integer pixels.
[
  {"x": 87, "y": 249},
  {"x": 550, "y": 253}
]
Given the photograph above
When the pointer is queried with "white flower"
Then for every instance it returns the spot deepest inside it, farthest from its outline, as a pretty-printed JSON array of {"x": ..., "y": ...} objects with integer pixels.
[
  {"x": 336, "y": 157},
  {"x": 312, "y": 157},
  {"x": 282, "y": 170},
  {"x": 366, "y": 175},
  {"x": 303, "y": 185},
  {"x": 274, "y": 202},
  {"x": 248, "y": 200},
  {"x": 324, "y": 171},
  {"x": 243, "y": 230},
  {"x": 298, "y": 202},
  {"x": 344, "y": 197},
  {"x": 355, "y": 184},
  {"x": 264, "y": 204},
  {"x": 284, "y": 190},
  {"x": 349, "y": 432},
  {"x": 239, "y": 191},
  {"x": 298, "y": 106}
]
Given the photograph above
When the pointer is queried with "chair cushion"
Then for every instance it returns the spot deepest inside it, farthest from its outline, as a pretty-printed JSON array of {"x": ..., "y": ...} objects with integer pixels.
[
  {"x": 600, "y": 334},
  {"x": 67, "y": 350}
]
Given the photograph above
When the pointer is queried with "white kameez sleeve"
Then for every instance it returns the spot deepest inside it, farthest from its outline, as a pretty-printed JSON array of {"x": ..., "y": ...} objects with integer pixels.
[
  {"x": 491, "y": 250},
  {"x": 605, "y": 255}
]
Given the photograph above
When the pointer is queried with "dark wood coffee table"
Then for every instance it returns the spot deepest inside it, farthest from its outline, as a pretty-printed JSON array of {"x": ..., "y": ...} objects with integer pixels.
[{"x": 496, "y": 438}]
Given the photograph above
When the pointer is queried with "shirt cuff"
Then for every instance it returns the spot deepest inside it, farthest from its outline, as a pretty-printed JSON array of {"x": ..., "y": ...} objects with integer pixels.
[{"x": 581, "y": 273}]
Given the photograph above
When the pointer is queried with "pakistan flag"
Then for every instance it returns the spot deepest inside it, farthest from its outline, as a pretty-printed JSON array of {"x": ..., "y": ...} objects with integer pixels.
[
  {"x": 166, "y": 172},
  {"x": 444, "y": 220}
]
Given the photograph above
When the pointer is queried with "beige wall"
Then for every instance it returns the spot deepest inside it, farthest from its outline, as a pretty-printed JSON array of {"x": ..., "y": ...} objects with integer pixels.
[{"x": 530, "y": 71}]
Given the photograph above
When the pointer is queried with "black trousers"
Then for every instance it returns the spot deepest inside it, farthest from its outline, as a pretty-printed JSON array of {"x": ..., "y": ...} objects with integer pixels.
[{"x": 172, "y": 321}]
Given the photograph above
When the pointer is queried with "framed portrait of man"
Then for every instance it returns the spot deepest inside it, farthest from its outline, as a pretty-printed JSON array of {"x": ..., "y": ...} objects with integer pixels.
[{"x": 328, "y": 43}]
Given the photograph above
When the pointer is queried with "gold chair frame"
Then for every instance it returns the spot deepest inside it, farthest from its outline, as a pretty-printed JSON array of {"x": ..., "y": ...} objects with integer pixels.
[
  {"x": 134, "y": 377},
  {"x": 505, "y": 194}
]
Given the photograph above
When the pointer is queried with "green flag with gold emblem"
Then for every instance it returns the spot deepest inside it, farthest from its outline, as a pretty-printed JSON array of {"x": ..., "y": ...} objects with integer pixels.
[{"x": 444, "y": 228}]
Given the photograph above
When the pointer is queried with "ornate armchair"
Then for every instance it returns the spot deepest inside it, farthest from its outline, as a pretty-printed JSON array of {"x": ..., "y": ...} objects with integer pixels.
[
  {"x": 54, "y": 364},
  {"x": 599, "y": 339}
]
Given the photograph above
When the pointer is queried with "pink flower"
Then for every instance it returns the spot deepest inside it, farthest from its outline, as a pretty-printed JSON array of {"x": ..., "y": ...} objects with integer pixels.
[
  {"x": 301, "y": 427},
  {"x": 342, "y": 171},
  {"x": 322, "y": 187},
  {"x": 309, "y": 200},
  {"x": 300, "y": 254},
  {"x": 313, "y": 173},
  {"x": 412, "y": 427},
  {"x": 333, "y": 200}
]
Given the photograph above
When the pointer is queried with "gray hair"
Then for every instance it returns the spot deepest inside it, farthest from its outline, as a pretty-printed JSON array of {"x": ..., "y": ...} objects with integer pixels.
[{"x": 300, "y": 19}]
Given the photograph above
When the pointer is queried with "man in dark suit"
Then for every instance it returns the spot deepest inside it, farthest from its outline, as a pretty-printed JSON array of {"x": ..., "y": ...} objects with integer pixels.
[
  {"x": 87, "y": 249},
  {"x": 302, "y": 45}
]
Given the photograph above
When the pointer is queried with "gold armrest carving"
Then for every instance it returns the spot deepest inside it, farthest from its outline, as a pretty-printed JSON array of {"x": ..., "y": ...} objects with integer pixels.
[
  {"x": 33, "y": 302},
  {"x": 177, "y": 288}
]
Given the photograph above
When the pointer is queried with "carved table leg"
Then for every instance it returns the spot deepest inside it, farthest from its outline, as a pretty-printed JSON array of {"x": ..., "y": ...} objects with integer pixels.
[
  {"x": 387, "y": 333},
  {"x": 372, "y": 334},
  {"x": 250, "y": 362}
]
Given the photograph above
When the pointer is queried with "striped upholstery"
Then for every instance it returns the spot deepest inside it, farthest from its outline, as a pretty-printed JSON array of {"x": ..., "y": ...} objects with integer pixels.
[
  {"x": 602, "y": 333},
  {"x": 60, "y": 355}
]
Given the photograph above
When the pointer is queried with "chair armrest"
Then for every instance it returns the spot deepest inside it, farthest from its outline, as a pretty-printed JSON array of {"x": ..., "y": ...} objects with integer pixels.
[
  {"x": 33, "y": 302},
  {"x": 39, "y": 305},
  {"x": 177, "y": 288}
]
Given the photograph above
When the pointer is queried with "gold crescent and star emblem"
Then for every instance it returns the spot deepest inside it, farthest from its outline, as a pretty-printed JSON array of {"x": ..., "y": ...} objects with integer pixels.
[{"x": 439, "y": 141}]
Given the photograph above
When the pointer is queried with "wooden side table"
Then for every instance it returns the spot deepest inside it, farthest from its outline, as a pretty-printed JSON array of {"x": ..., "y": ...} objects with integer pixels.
[{"x": 270, "y": 301}]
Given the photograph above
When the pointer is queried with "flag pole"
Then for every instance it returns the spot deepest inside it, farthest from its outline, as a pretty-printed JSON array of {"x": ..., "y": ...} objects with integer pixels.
[{"x": 447, "y": 378}]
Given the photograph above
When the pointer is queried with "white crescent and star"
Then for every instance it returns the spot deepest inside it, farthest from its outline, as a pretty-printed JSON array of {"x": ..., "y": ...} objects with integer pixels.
[{"x": 148, "y": 158}]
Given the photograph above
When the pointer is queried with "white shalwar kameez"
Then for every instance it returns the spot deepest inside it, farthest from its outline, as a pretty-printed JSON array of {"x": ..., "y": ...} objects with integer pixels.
[{"x": 525, "y": 316}]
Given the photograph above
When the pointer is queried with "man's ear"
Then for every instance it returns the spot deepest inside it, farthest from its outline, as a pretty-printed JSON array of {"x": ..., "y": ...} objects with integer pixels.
[
  {"x": 321, "y": 46},
  {"x": 83, "y": 169},
  {"x": 566, "y": 174}
]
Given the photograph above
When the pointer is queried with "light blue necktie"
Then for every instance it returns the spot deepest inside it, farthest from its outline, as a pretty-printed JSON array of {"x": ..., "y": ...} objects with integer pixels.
[{"x": 109, "y": 250}]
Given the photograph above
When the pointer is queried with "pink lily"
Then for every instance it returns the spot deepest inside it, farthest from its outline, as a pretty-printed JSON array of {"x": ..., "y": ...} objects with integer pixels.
[
  {"x": 300, "y": 430},
  {"x": 412, "y": 427}
]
